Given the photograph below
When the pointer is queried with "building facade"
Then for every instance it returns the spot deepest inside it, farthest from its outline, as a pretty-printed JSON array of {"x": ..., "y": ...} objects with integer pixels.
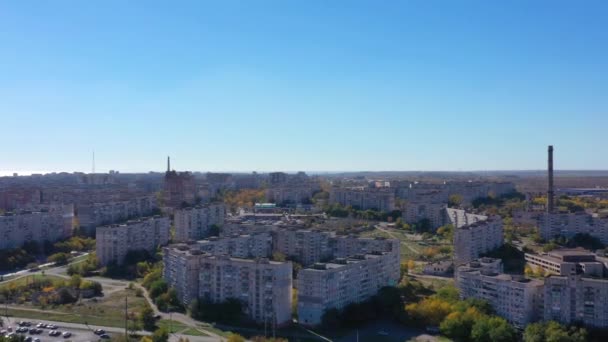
[
  {"x": 50, "y": 225},
  {"x": 195, "y": 223},
  {"x": 364, "y": 198},
  {"x": 340, "y": 282},
  {"x": 473, "y": 240},
  {"x": 115, "y": 241}
]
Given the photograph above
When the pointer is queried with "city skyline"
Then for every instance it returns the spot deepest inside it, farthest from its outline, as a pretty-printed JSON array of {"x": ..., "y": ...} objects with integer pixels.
[{"x": 302, "y": 86}]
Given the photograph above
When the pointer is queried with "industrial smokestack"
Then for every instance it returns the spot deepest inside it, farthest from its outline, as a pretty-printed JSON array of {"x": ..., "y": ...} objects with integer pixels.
[{"x": 550, "y": 193}]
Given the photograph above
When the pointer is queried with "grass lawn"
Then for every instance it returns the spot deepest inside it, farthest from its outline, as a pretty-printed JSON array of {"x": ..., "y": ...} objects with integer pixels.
[
  {"x": 193, "y": 332},
  {"x": 172, "y": 326},
  {"x": 30, "y": 279},
  {"x": 105, "y": 311}
]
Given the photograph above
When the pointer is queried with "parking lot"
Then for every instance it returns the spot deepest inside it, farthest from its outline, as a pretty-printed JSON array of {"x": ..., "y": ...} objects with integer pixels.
[{"x": 53, "y": 331}]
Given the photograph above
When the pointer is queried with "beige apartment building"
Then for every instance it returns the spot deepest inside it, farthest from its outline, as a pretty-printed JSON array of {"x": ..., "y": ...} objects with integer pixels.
[
  {"x": 115, "y": 241},
  {"x": 194, "y": 223}
]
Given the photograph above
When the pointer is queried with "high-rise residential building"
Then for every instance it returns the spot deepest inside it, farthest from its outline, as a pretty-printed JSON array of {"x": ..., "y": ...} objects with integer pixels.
[
  {"x": 305, "y": 246},
  {"x": 381, "y": 199},
  {"x": 552, "y": 225},
  {"x": 115, "y": 241},
  {"x": 433, "y": 211},
  {"x": 92, "y": 215},
  {"x": 181, "y": 268},
  {"x": 340, "y": 282},
  {"x": 473, "y": 240},
  {"x": 51, "y": 224},
  {"x": 263, "y": 286},
  {"x": 257, "y": 245},
  {"x": 194, "y": 223},
  {"x": 514, "y": 298}
]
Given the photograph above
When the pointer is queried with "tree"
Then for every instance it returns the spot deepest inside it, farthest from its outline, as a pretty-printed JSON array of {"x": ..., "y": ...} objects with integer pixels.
[
  {"x": 493, "y": 329},
  {"x": 278, "y": 256},
  {"x": 58, "y": 258},
  {"x": 75, "y": 281},
  {"x": 214, "y": 230},
  {"x": 157, "y": 288},
  {"x": 534, "y": 332},
  {"x": 234, "y": 338},
  {"x": 160, "y": 335},
  {"x": 454, "y": 200},
  {"x": 146, "y": 316}
]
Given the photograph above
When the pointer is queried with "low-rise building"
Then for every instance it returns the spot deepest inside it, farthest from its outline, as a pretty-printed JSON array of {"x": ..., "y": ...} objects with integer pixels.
[
  {"x": 439, "y": 268},
  {"x": 195, "y": 223},
  {"x": 115, "y": 241},
  {"x": 567, "y": 262}
]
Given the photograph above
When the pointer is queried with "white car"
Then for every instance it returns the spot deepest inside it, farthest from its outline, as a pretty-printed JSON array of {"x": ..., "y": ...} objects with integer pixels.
[{"x": 67, "y": 334}]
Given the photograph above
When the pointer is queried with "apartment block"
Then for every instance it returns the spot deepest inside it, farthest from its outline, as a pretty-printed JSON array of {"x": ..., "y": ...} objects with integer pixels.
[
  {"x": 576, "y": 299},
  {"x": 181, "y": 267},
  {"x": 194, "y": 223},
  {"x": 91, "y": 215},
  {"x": 514, "y": 298},
  {"x": 473, "y": 240},
  {"x": 257, "y": 245},
  {"x": 52, "y": 224},
  {"x": 342, "y": 281},
  {"x": 115, "y": 241},
  {"x": 306, "y": 246},
  {"x": 552, "y": 225},
  {"x": 382, "y": 199},
  {"x": 265, "y": 287}
]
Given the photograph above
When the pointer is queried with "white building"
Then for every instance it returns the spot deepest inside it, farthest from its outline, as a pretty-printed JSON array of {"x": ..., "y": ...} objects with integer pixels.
[
  {"x": 552, "y": 225},
  {"x": 181, "y": 267},
  {"x": 346, "y": 280},
  {"x": 306, "y": 246},
  {"x": 567, "y": 262},
  {"x": 576, "y": 299},
  {"x": 475, "y": 239},
  {"x": 265, "y": 287},
  {"x": 195, "y": 223},
  {"x": 104, "y": 213},
  {"x": 514, "y": 298},
  {"x": 364, "y": 198},
  {"x": 115, "y": 241},
  {"x": 257, "y": 245},
  {"x": 36, "y": 226}
]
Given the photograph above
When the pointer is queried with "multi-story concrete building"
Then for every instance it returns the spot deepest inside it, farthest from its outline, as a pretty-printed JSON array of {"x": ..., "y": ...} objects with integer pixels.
[
  {"x": 382, "y": 199},
  {"x": 257, "y": 245},
  {"x": 178, "y": 188},
  {"x": 552, "y": 225},
  {"x": 115, "y": 241},
  {"x": 514, "y": 298},
  {"x": 181, "y": 268},
  {"x": 567, "y": 262},
  {"x": 415, "y": 211},
  {"x": 305, "y": 246},
  {"x": 460, "y": 218},
  {"x": 290, "y": 195},
  {"x": 52, "y": 224},
  {"x": 342, "y": 281},
  {"x": 194, "y": 223},
  {"x": 92, "y": 215},
  {"x": 576, "y": 299},
  {"x": 265, "y": 287},
  {"x": 477, "y": 238}
]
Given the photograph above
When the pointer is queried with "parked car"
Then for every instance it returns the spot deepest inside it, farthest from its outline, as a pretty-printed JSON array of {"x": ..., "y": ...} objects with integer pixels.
[{"x": 99, "y": 332}]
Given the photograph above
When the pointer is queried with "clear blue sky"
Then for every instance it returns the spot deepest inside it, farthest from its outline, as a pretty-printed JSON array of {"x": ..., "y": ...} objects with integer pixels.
[{"x": 306, "y": 85}]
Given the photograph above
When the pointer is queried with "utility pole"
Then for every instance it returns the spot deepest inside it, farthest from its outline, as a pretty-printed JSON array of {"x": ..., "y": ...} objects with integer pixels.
[{"x": 126, "y": 318}]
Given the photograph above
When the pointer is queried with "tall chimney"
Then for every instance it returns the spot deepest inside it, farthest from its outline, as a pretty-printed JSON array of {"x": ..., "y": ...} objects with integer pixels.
[
  {"x": 168, "y": 164},
  {"x": 550, "y": 193}
]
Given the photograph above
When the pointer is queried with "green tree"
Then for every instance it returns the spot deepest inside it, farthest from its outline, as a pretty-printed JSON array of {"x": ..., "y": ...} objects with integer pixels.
[
  {"x": 160, "y": 335},
  {"x": 59, "y": 258},
  {"x": 534, "y": 332},
  {"x": 75, "y": 281},
  {"x": 234, "y": 338},
  {"x": 146, "y": 316},
  {"x": 494, "y": 329}
]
